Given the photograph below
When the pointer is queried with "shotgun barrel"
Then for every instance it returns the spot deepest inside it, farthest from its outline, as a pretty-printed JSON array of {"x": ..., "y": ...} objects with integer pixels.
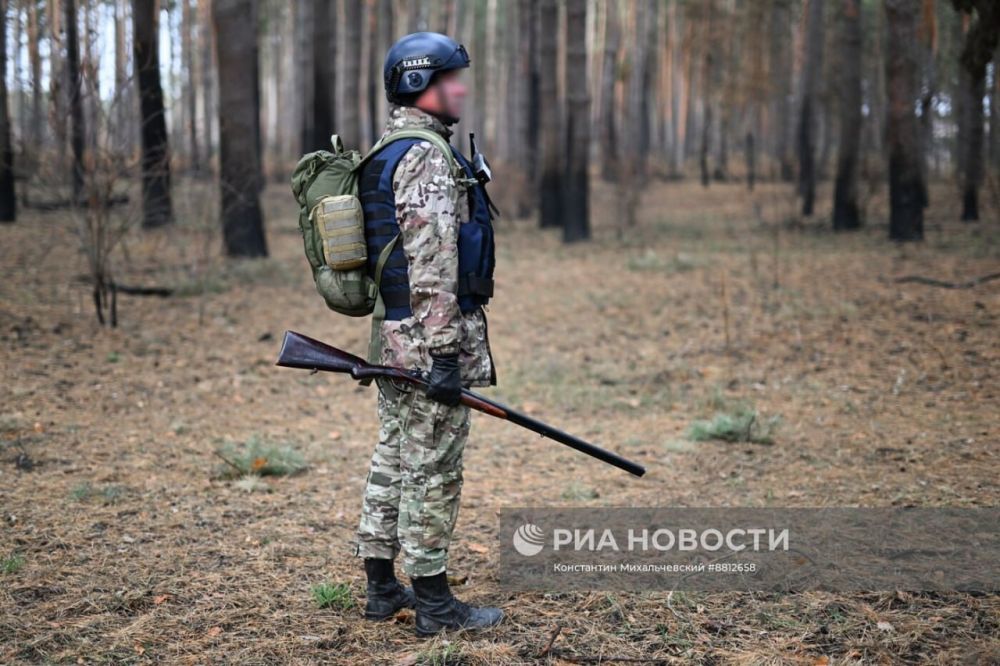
[{"x": 301, "y": 351}]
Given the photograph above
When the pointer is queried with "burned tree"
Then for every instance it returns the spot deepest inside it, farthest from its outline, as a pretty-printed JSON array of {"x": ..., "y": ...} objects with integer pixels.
[
  {"x": 576, "y": 183},
  {"x": 349, "y": 127},
  {"x": 906, "y": 185},
  {"x": 156, "y": 206},
  {"x": 811, "y": 72},
  {"x": 235, "y": 23},
  {"x": 609, "y": 77},
  {"x": 845, "y": 197},
  {"x": 8, "y": 202},
  {"x": 977, "y": 51},
  {"x": 324, "y": 74},
  {"x": 550, "y": 200}
]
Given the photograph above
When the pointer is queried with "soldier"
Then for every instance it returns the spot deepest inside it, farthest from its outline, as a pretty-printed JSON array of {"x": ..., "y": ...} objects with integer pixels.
[{"x": 433, "y": 211}]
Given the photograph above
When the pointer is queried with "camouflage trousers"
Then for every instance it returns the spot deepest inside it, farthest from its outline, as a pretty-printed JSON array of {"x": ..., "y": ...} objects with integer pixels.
[{"x": 415, "y": 482}]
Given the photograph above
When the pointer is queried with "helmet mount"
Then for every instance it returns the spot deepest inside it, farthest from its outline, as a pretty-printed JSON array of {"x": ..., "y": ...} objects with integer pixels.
[{"x": 412, "y": 61}]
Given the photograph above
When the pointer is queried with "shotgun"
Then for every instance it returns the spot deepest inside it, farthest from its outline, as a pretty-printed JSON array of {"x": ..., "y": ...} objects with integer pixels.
[{"x": 300, "y": 351}]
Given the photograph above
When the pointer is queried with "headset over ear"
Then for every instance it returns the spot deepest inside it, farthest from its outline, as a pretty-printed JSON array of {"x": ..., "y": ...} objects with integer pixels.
[{"x": 412, "y": 62}]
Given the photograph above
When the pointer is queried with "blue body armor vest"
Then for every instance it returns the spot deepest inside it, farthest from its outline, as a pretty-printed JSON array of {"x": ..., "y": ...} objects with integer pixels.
[{"x": 476, "y": 258}]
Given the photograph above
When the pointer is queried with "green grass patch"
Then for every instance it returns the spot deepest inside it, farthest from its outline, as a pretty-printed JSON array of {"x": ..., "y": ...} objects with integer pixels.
[
  {"x": 11, "y": 563},
  {"x": 333, "y": 595},
  {"x": 251, "y": 483},
  {"x": 259, "y": 457},
  {"x": 676, "y": 263},
  {"x": 86, "y": 491},
  {"x": 744, "y": 424},
  {"x": 578, "y": 492},
  {"x": 448, "y": 654},
  {"x": 10, "y": 423}
]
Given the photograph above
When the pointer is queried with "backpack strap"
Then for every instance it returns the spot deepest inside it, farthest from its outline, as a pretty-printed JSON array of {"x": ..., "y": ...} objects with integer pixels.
[
  {"x": 460, "y": 176},
  {"x": 378, "y": 314},
  {"x": 432, "y": 137}
]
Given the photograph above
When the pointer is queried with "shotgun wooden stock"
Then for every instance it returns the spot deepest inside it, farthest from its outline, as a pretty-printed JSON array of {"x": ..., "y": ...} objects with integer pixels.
[{"x": 301, "y": 351}]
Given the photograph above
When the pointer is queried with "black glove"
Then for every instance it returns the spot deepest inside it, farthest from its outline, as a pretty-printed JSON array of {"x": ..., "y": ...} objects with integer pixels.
[{"x": 445, "y": 382}]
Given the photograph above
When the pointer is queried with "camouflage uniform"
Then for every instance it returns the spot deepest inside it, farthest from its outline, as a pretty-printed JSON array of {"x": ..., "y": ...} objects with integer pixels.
[{"x": 413, "y": 489}]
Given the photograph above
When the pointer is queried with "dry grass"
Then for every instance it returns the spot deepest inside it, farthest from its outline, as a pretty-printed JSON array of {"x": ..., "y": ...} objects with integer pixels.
[{"x": 887, "y": 395}]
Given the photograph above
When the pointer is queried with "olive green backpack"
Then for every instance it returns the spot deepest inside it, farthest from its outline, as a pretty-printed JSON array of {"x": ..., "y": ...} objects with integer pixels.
[{"x": 325, "y": 185}]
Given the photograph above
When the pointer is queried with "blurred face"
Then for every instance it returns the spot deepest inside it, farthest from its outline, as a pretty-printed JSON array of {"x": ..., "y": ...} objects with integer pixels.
[{"x": 445, "y": 96}]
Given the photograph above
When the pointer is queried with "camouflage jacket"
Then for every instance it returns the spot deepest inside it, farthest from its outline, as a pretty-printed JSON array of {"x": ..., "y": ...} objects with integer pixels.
[{"x": 429, "y": 207}]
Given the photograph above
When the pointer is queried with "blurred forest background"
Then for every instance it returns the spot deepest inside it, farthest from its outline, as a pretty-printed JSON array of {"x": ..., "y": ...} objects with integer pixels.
[
  {"x": 734, "y": 310},
  {"x": 99, "y": 94}
]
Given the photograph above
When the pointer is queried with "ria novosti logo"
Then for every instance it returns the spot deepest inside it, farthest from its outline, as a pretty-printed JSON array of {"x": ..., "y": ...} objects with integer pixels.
[{"x": 529, "y": 539}]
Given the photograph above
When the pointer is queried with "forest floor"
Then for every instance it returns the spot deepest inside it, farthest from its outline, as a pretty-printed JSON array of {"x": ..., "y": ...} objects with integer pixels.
[{"x": 123, "y": 540}]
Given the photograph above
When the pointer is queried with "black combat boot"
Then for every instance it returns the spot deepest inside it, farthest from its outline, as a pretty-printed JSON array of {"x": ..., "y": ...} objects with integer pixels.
[
  {"x": 385, "y": 595},
  {"x": 437, "y": 609}
]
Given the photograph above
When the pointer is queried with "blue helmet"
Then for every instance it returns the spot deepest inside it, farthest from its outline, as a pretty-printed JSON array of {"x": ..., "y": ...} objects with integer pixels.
[{"x": 413, "y": 60}]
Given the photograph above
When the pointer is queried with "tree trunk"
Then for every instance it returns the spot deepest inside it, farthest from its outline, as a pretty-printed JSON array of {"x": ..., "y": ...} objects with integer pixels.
[
  {"x": 533, "y": 103},
  {"x": 488, "y": 94},
  {"x": 90, "y": 83},
  {"x": 929, "y": 49},
  {"x": 811, "y": 69},
  {"x": 304, "y": 74},
  {"x": 707, "y": 92},
  {"x": 371, "y": 74},
  {"x": 721, "y": 172},
  {"x": 20, "y": 115},
  {"x": 550, "y": 199},
  {"x": 235, "y": 23},
  {"x": 639, "y": 94},
  {"x": 673, "y": 90},
  {"x": 687, "y": 97},
  {"x": 277, "y": 45},
  {"x": 417, "y": 16},
  {"x": 8, "y": 201},
  {"x": 523, "y": 132},
  {"x": 969, "y": 122},
  {"x": 57, "y": 80},
  {"x": 77, "y": 132},
  {"x": 706, "y": 134},
  {"x": 724, "y": 34},
  {"x": 994, "y": 125},
  {"x": 781, "y": 81},
  {"x": 906, "y": 209},
  {"x": 190, "y": 88},
  {"x": 845, "y": 198},
  {"x": 156, "y": 205},
  {"x": 209, "y": 96},
  {"x": 349, "y": 116},
  {"x": 980, "y": 45},
  {"x": 34, "y": 57},
  {"x": 386, "y": 31},
  {"x": 122, "y": 108},
  {"x": 576, "y": 213},
  {"x": 609, "y": 77},
  {"x": 324, "y": 67}
]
